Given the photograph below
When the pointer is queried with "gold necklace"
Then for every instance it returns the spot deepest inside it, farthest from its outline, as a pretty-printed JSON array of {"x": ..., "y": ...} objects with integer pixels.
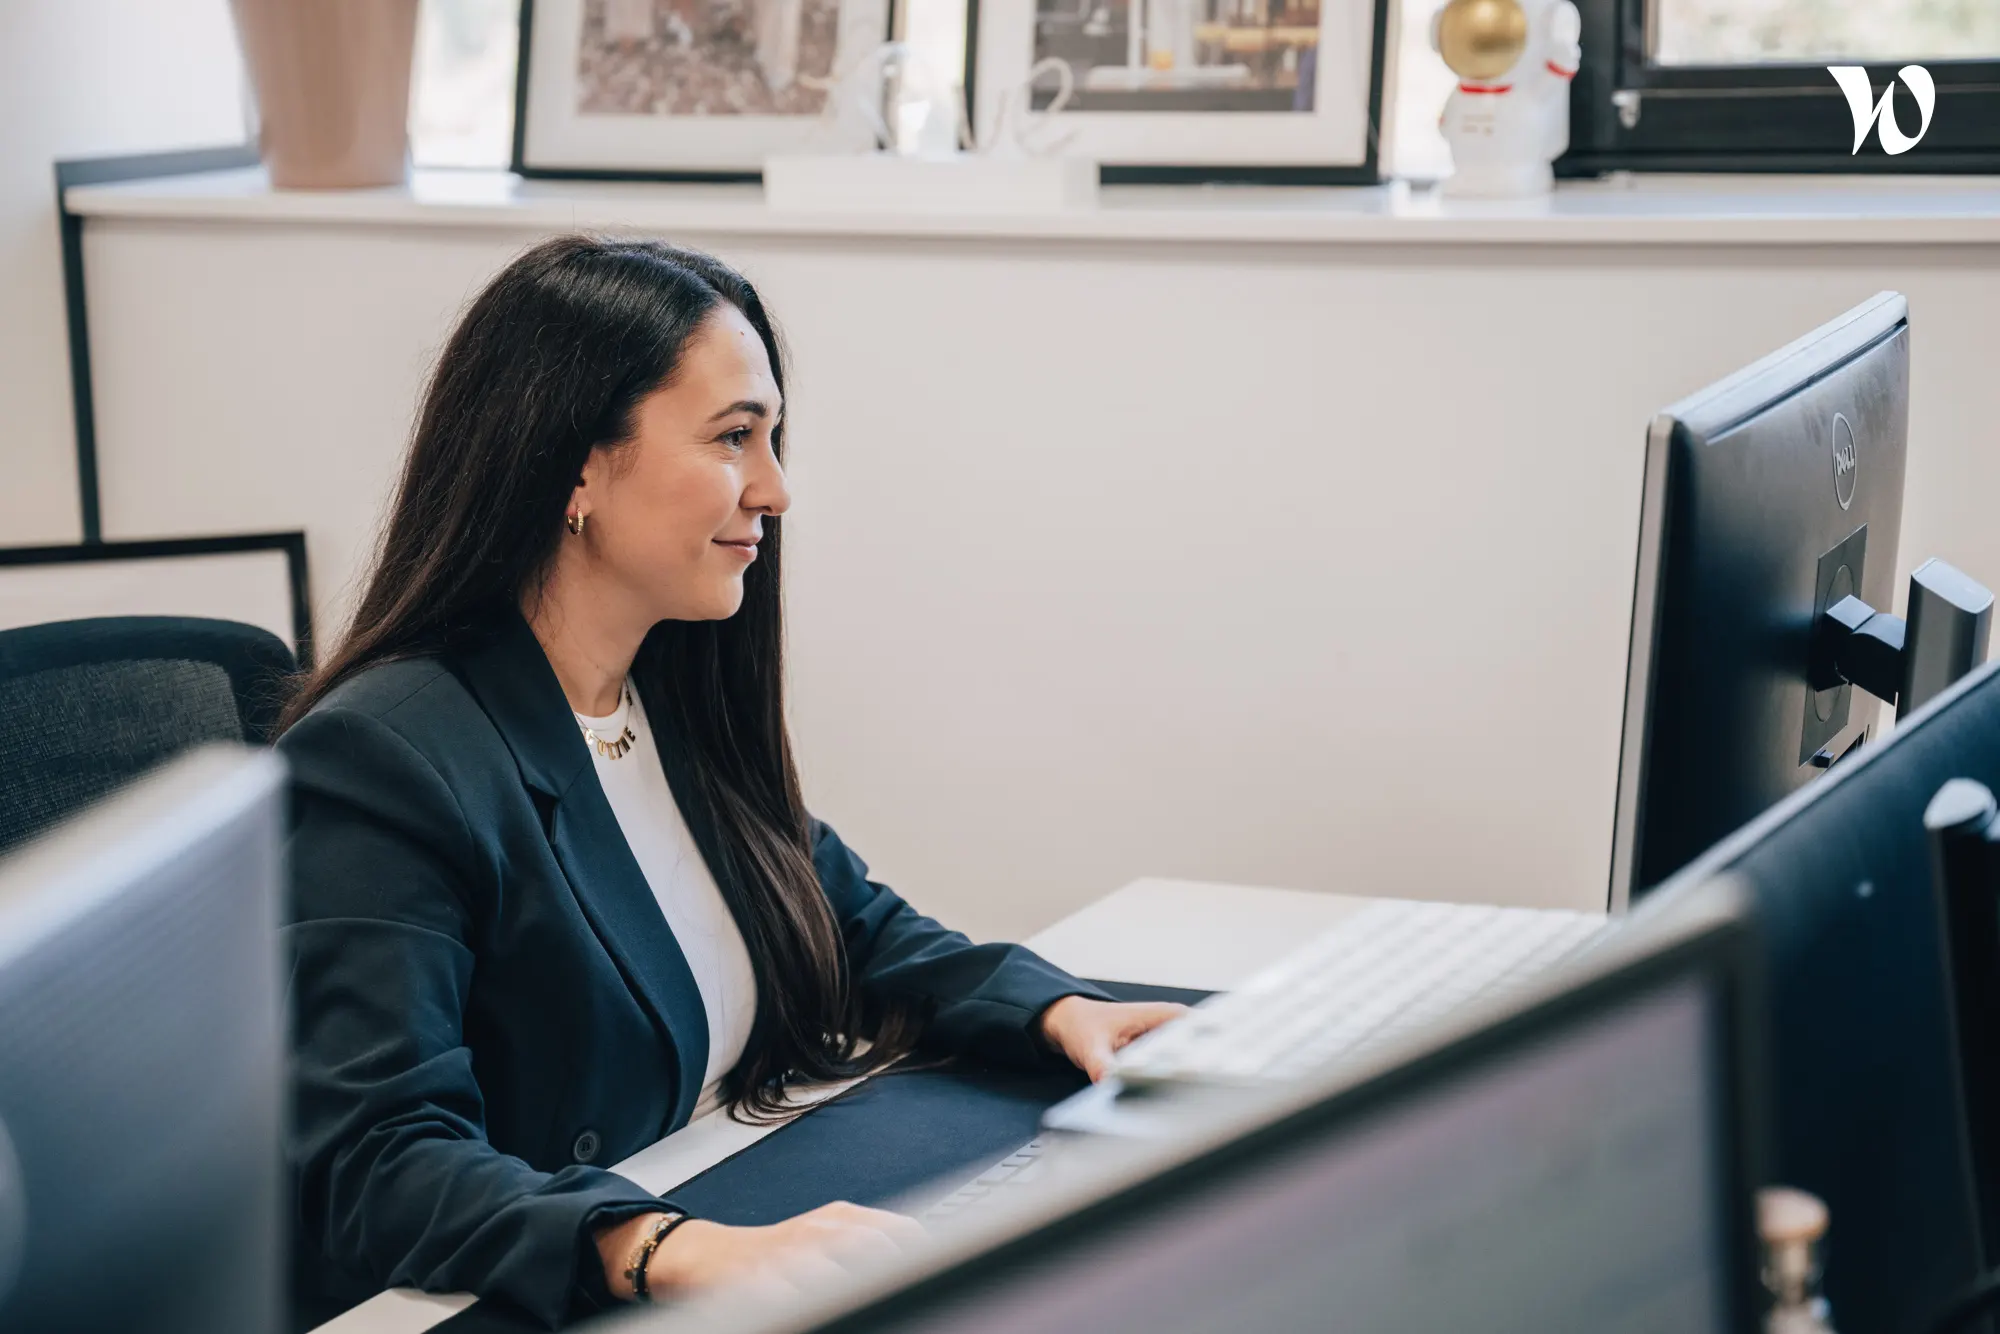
[{"x": 615, "y": 748}]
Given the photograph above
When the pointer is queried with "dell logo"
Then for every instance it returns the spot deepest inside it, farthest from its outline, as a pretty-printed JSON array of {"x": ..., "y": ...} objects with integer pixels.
[
  {"x": 1846, "y": 461},
  {"x": 1853, "y": 81}
]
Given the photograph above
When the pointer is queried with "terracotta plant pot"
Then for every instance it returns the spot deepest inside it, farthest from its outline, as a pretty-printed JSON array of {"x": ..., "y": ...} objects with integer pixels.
[{"x": 332, "y": 80}]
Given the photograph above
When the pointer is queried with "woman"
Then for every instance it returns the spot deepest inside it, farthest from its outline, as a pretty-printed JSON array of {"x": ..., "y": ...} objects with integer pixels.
[{"x": 556, "y": 890}]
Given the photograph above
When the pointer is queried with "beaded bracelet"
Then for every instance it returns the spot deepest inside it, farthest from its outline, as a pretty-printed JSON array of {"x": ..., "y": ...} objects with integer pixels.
[{"x": 636, "y": 1273}]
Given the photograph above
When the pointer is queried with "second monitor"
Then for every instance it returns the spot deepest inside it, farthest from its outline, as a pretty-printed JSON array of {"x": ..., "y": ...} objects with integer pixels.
[
  {"x": 1765, "y": 495},
  {"x": 1761, "y": 640}
]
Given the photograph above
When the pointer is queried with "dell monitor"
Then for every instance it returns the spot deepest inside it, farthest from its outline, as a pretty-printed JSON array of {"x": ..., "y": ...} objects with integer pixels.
[
  {"x": 142, "y": 1060},
  {"x": 1581, "y": 1160},
  {"x": 1768, "y": 498}
]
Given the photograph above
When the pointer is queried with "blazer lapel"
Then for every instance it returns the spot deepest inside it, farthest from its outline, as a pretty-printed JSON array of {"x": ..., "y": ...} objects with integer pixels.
[
  {"x": 514, "y": 683},
  {"x": 627, "y": 918}
]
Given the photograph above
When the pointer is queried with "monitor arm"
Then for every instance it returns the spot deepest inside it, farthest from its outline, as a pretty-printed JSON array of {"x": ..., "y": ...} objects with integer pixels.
[{"x": 1906, "y": 663}]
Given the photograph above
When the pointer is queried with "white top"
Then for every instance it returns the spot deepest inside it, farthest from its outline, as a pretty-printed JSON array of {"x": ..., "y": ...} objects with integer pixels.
[{"x": 636, "y": 787}]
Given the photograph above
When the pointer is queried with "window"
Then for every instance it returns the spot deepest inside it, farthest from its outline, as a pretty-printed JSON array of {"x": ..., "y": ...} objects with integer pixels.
[
  {"x": 1743, "y": 84},
  {"x": 1749, "y": 32},
  {"x": 1422, "y": 83},
  {"x": 462, "y": 91},
  {"x": 1666, "y": 84}
]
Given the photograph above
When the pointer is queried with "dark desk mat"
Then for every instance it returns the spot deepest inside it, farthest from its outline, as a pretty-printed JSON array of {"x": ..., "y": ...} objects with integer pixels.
[{"x": 888, "y": 1139}]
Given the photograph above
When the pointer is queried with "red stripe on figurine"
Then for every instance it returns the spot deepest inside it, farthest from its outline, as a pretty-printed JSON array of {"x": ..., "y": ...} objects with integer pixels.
[
  {"x": 1474, "y": 88},
  {"x": 1560, "y": 72}
]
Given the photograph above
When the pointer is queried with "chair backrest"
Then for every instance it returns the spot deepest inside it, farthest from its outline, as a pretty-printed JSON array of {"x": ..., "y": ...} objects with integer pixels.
[{"x": 86, "y": 706}]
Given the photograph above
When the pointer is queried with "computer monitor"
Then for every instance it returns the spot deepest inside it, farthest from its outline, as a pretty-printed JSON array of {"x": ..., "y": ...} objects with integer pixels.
[
  {"x": 1582, "y": 1161},
  {"x": 1768, "y": 497},
  {"x": 1865, "y": 1105},
  {"x": 142, "y": 1060}
]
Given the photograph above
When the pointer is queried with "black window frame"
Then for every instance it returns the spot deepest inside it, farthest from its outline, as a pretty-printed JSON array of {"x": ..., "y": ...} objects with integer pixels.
[{"x": 1770, "y": 118}]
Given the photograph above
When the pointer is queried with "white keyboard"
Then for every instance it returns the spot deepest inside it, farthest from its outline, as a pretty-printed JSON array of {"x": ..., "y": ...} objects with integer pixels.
[{"x": 1393, "y": 966}]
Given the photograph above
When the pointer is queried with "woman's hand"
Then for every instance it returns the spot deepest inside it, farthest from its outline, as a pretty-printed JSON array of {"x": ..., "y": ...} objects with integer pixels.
[
  {"x": 700, "y": 1254},
  {"x": 1088, "y": 1031}
]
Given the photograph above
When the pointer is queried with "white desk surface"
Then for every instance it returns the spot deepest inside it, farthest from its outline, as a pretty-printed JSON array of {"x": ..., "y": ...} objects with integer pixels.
[{"x": 1174, "y": 933}]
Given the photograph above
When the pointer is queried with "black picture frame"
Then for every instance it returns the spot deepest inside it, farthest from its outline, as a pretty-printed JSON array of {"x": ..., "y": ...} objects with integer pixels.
[
  {"x": 292, "y": 544},
  {"x": 1367, "y": 172},
  {"x": 1756, "y": 118}
]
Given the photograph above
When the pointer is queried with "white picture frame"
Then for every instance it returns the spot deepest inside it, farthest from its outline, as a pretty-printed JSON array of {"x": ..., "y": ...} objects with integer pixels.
[
  {"x": 1334, "y": 142},
  {"x": 554, "y": 137}
]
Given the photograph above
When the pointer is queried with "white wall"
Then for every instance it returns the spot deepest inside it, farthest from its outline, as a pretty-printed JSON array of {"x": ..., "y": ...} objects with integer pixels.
[
  {"x": 82, "y": 78},
  {"x": 1321, "y": 579}
]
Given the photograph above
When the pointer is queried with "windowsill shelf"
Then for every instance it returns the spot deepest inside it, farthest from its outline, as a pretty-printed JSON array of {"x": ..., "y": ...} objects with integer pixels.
[{"x": 1636, "y": 210}]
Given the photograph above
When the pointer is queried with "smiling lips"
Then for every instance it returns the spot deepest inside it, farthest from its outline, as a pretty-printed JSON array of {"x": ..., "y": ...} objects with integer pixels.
[{"x": 745, "y": 547}]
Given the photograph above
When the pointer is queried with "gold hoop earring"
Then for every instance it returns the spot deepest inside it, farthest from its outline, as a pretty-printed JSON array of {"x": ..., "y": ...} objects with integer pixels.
[{"x": 575, "y": 524}]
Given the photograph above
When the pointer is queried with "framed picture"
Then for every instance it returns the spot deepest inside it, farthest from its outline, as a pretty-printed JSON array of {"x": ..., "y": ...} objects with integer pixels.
[
  {"x": 1276, "y": 91},
  {"x": 257, "y": 578},
  {"x": 685, "y": 89}
]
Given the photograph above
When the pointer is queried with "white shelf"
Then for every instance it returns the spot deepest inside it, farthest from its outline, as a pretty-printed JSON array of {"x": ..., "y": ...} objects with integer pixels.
[{"x": 1653, "y": 211}]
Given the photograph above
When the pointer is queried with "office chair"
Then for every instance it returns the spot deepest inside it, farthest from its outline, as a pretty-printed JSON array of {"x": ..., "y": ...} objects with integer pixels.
[{"x": 87, "y": 705}]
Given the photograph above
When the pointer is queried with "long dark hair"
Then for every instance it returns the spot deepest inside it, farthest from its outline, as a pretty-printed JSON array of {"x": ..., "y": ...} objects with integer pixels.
[{"x": 549, "y": 363}]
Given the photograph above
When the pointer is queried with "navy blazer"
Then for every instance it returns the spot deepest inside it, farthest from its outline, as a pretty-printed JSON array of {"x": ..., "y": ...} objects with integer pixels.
[{"x": 488, "y": 1004}]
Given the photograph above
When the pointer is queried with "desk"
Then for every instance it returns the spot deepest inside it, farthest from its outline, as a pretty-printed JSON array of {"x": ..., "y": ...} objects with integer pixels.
[{"x": 1179, "y": 933}]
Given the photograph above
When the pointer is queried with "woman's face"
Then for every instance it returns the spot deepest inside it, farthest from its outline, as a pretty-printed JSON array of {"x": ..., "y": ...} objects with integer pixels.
[{"x": 672, "y": 519}]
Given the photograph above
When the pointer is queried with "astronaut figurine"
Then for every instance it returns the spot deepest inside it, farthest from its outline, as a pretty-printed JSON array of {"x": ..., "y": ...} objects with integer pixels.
[{"x": 1508, "y": 119}]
